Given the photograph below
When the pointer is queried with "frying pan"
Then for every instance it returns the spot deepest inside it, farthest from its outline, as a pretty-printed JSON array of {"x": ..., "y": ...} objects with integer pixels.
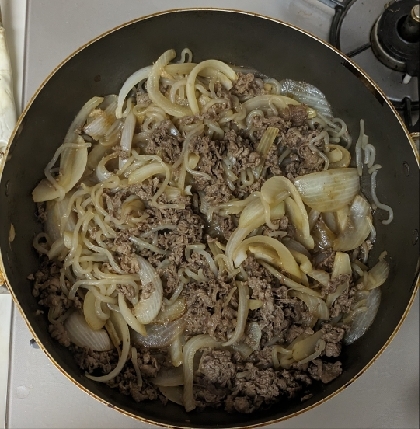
[{"x": 276, "y": 49}]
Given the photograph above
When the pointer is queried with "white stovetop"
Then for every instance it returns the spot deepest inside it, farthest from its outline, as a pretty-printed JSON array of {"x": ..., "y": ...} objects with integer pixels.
[{"x": 386, "y": 396}]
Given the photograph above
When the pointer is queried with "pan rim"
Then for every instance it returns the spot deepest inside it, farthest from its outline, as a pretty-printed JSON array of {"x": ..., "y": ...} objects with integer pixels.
[{"x": 369, "y": 83}]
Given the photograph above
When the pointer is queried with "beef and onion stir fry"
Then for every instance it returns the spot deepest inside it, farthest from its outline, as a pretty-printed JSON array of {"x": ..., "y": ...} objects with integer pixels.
[{"x": 205, "y": 238}]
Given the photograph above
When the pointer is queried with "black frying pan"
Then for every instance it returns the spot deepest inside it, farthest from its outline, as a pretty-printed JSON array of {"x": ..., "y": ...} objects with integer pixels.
[{"x": 277, "y": 50}]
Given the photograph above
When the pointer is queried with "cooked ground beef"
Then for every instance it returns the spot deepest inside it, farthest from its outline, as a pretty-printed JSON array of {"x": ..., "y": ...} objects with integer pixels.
[{"x": 163, "y": 233}]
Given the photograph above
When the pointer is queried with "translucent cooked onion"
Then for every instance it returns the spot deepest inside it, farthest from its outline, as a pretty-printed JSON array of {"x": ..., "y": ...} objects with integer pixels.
[
  {"x": 153, "y": 89},
  {"x": 129, "y": 84},
  {"x": 316, "y": 306},
  {"x": 127, "y": 313},
  {"x": 306, "y": 347},
  {"x": 276, "y": 187},
  {"x": 339, "y": 156},
  {"x": 175, "y": 350},
  {"x": 190, "y": 87},
  {"x": 81, "y": 334},
  {"x": 289, "y": 282},
  {"x": 124, "y": 334},
  {"x": 243, "y": 349},
  {"x": 89, "y": 312},
  {"x": 173, "y": 394},
  {"x": 306, "y": 94},
  {"x": 143, "y": 173},
  {"x": 377, "y": 275},
  {"x": 169, "y": 377},
  {"x": 158, "y": 336},
  {"x": 147, "y": 309},
  {"x": 72, "y": 167},
  {"x": 328, "y": 190},
  {"x": 267, "y": 101},
  {"x": 191, "y": 347},
  {"x": 361, "y": 320},
  {"x": 264, "y": 146},
  {"x": 341, "y": 264},
  {"x": 358, "y": 226},
  {"x": 243, "y": 309},
  {"x": 172, "y": 312},
  {"x": 58, "y": 219},
  {"x": 127, "y": 137},
  {"x": 284, "y": 259}
]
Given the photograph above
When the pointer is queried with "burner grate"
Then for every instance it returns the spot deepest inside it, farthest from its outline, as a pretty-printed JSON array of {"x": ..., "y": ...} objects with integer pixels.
[{"x": 406, "y": 104}]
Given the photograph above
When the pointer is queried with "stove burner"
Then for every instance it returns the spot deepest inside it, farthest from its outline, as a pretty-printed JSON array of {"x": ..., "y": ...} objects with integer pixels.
[
  {"x": 395, "y": 37},
  {"x": 386, "y": 47}
]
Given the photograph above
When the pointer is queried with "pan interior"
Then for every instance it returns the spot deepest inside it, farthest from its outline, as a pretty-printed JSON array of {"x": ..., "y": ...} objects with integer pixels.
[{"x": 272, "y": 48}]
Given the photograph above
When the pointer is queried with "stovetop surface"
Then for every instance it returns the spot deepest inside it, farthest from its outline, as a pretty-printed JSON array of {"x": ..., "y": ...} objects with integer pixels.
[{"x": 386, "y": 396}]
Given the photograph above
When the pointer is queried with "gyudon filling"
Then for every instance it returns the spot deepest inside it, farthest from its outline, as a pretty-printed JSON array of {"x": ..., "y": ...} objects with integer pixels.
[{"x": 205, "y": 239}]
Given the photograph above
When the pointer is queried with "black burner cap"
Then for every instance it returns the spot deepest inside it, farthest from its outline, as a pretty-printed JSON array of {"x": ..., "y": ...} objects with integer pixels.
[{"x": 398, "y": 35}]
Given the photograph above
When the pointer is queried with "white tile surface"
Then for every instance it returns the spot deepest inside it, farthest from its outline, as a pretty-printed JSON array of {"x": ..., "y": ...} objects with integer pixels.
[{"x": 386, "y": 396}]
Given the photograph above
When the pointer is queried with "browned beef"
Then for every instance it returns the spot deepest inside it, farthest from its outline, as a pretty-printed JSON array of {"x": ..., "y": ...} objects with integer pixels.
[
  {"x": 165, "y": 142},
  {"x": 207, "y": 310},
  {"x": 247, "y": 85},
  {"x": 59, "y": 333},
  {"x": 325, "y": 372},
  {"x": 223, "y": 378},
  {"x": 95, "y": 362}
]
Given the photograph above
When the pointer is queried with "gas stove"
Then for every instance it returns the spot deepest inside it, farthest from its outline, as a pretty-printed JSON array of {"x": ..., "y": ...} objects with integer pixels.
[
  {"x": 383, "y": 37},
  {"x": 387, "y": 395}
]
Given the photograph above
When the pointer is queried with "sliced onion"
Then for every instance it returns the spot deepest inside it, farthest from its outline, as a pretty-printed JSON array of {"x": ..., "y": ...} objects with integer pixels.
[
  {"x": 254, "y": 304},
  {"x": 284, "y": 260},
  {"x": 252, "y": 214},
  {"x": 294, "y": 206},
  {"x": 342, "y": 216},
  {"x": 124, "y": 334},
  {"x": 191, "y": 347},
  {"x": 304, "y": 348},
  {"x": 159, "y": 335},
  {"x": 341, "y": 264},
  {"x": 175, "y": 350},
  {"x": 172, "y": 312},
  {"x": 127, "y": 313},
  {"x": 169, "y": 377},
  {"x": 143, "y": 173},
  {"x": 190, "y": 87},
  {"x": 173, "y": 394},
  {"x": 306, "y": 94},
  {"x": 243, "y": 349},
  {"x": 129, "y": 84},
  {"x": 289, "y": 282},
  {"x": 127, "y": 136},
  {"x": 316, "y": 306},
  {"x": 320, "y": 276},
  {"x": 58, "y": 218},
  {"x": 89, "y": 312},
  {"x": 243, "y": 310},
  {"x": 319, "y": 348},
  {"x": 72, "y": 166},
  {"x": 264, "y": 146},
  {"x": 81, "y": 334},
  {"x": 153, "y": 89},
  {"x": 344, "y": 159},
  {"x": 377, "y": 275},
  {"x": 328, "y": 190},
  {"x": 266, "y": 101},
  {"x": 358, "y": 227},
  {"x": 147, "y": 309},
  {"x": 363, "y": 319},
  {"x": 286, "y": 358}
]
